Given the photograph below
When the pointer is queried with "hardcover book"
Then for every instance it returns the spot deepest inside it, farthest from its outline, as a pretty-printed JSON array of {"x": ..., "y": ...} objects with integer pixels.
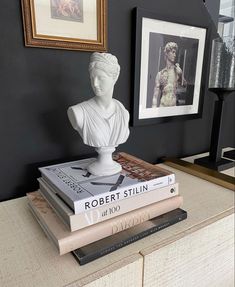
[
  {"x": 114, "y": 242},
  {"x": 83, "y": 191},
  {"x": 67, "y": 241},
  {"x": 82, "y": 220}
]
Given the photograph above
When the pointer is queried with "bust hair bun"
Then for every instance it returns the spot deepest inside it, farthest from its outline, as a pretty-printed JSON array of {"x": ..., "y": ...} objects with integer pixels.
[{"x": 104, "y": 58}]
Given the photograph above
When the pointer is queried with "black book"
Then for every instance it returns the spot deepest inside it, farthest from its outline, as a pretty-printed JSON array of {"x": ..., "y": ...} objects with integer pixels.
[{"x": 114, "y": 242}]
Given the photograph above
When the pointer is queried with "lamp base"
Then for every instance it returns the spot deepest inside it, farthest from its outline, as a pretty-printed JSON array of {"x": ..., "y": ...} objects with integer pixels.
[
  {"x": 230, "y": 154},
  {"x": 220, "y": 165}
]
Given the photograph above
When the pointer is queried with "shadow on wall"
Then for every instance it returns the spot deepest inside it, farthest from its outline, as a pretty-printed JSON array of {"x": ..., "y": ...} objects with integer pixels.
[
  {"x": 31, "y": 173},
  {"x": 47, "y": 100}
]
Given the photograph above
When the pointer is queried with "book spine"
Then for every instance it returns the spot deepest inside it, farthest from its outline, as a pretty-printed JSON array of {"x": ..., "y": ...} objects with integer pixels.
[
  {"x": 42, "y": 225},
  {"x": 63, "y": 195},
  {"x": 109, "y": 211},
  {"x": 79, "y": 221},
  {"x": 94, "y": 202},
  {"x": 54, "y": 202},
  {"x": 104, "y": 229},
  {"x": 108, "y": 249}
]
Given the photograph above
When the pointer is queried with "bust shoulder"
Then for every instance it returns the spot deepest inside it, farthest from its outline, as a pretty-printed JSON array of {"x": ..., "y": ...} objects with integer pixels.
[
  {"x": 75, "y": 115},
  {"x": 119, "y": 107}
]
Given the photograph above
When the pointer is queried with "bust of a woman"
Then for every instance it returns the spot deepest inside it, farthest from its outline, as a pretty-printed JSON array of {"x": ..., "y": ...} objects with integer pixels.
[{"x": 102, "y": 122}]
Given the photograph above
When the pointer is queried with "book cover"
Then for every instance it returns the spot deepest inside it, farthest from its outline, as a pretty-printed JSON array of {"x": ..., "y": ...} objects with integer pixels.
[
  {"x": 82, "y": 220},
  {"x": 114, "y": 242},
  {"x": 83, "y": 191},
  {"x": 67, "y": 241}
]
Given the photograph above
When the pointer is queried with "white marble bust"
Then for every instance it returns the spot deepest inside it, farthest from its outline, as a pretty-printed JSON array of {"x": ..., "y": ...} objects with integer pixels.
[{"x": 102, "y": 122}]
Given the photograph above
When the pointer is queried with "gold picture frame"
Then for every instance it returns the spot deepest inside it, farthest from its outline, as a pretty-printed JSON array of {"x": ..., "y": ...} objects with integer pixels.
[{"x": 65, "y": 24}]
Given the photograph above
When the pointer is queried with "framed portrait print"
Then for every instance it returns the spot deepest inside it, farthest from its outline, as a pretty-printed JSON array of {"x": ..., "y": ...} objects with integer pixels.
[
  {"x": 169, "y": 69},
  {"x": 65, "y": 24}
]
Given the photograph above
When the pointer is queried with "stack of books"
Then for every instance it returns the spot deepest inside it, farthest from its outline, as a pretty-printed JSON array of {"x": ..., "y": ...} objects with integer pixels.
[{"x": 91, "y": 216}]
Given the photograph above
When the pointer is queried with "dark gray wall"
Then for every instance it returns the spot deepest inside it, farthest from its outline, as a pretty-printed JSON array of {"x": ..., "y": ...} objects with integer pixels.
[
  {"x": 213, "y": 8},
  {"x": 38, "y": 85}
]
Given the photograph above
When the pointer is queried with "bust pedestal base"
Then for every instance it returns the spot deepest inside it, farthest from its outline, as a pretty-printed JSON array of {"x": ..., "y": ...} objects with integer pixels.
[{"x": 104, "y": 164}]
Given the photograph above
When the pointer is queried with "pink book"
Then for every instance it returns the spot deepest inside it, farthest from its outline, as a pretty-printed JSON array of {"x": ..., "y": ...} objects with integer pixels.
[{"x": 67, "y": 241}]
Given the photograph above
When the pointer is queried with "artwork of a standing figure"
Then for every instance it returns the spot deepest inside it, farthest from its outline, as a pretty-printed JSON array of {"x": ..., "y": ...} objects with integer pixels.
[{"x": 168, "y": 79}]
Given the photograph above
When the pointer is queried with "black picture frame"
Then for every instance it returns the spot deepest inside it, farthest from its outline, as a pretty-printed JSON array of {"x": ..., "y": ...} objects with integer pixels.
[{"x": 152, "y": 33}]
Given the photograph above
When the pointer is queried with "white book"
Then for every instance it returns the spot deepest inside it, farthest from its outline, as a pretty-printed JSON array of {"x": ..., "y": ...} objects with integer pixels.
[
  {"x": 82, "y": 220},
  {"x": 84, "y": 192}
]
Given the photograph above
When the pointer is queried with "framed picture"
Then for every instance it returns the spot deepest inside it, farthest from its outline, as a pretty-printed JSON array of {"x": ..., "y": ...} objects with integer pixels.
[
  {"x": 65, "y": 24},
  {"x": 169, "y": 69}
]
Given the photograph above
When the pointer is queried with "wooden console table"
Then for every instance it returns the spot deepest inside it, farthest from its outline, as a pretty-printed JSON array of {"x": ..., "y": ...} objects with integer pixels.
[{"x": 195, "y": 252}]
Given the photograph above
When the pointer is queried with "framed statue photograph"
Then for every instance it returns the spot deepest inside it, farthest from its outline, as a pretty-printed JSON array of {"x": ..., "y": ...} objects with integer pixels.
[
  {"x": 65, "y": 24},
  {"x": 169, "y": 69}
]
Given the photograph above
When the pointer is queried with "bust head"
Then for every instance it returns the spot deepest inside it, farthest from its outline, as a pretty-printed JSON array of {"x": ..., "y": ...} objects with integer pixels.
[
  {"x": 104, "y": 71},
  {"x": 106, "y": 62}
]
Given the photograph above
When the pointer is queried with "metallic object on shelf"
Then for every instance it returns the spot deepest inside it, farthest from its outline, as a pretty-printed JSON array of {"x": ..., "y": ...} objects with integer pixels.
[
  {"x": 222, "y": 66},
  {"x": 222, "y": 83}
]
